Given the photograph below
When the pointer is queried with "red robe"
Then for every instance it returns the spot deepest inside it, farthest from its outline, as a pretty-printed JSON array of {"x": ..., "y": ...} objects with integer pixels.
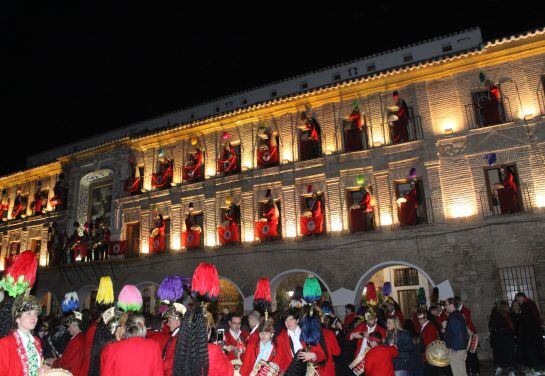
[
  {"x": 362, "y": 328},
  {"x": 429, "y": 333},
  {"x": 86, "y": 356},
  {"x": 467, "y": 316},
  {"x": 379, "y": 361},
  {"x": 231, "y": 341},
  {"x": 284, "y": 355},
  {"x": 10, "y": 361},
  {"x": 333, "y": 349},
  {"x": 400, "y": 132},
  {"x": 193, "y": 172},
  {"x": 72, "y": 356},
  {"x": 348, "y": 319},
  {"x": 250, "y": 356},
  {"x": 252, "y": 338},
  {"x": 168, "y": 360},
  {"x": 132, "y": 356},
  {"x": 408, "y": 208},
  {"x": 218, "y": 362},
  {"x": 312, "y": 128},
  {"x": 159, "y": 337},
  {"x": 507, "y": 196}
]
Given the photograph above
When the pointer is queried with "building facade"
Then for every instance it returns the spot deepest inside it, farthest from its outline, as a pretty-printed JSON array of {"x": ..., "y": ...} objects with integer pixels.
[{"x": 326, "y": 173}]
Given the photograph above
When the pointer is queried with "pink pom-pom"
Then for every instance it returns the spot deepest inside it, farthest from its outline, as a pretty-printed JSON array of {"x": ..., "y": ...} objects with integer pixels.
[{"x": 130, "y": 298}]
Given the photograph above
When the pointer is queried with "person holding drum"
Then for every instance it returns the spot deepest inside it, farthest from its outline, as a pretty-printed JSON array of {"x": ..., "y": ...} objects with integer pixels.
[{"x": 258, "y": 356}]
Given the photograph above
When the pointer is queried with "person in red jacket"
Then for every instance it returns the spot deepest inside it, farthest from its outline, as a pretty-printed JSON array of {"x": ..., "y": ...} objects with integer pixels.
[
  {"x": 108, "y": 329},
  {"x": 291, "y": 336},
  {"x": 363, "y": 330},
  {"x": 393, "y": 309},
  {"x": 20, "y": 351},
  {"x": 349, "y": 317},
  {"x": 428, "y": 334},
  {"x": 379, "y": 359},
  {"x": 254, "y": 320},
  {"x": 262, "y": 350},
  {"x": 134, "y": 354},
  {"x": 173, "y": 315},
  {"x": 235, "y": 337},
  {"x": 333, "y": 349},
  {"x": 71, "y": 358}
]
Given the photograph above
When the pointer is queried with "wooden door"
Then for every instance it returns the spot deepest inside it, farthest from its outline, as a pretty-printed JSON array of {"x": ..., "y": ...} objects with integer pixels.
[{"x": 133, "y": 239}]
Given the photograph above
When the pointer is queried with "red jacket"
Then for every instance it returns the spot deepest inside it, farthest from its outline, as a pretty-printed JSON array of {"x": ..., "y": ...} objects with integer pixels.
[
  {"x": 467, "y": 316},
  {"x": 159, "y": 337},
  {"x": 168, "y": 360},
  {"x": 333, "y": 349},
  {"x": 10, "y": 362},
  {"x": 284, "y": 355},
  {"x": 379, "y": 361},
  {"x": 72, "y": 356},
  {"x": 132, "y": 356},
  {"x": 429, "y": 333},
  {"x": 348, "y": 319},
  {"x": 252, "y": 338},
  {"x": 231, "y": 341},
  {"x": 362, "y": 328},
  {"x": 218, "y": 363},
  {"x": 398, "y": 314},
  {"x": 250, "y": 356},
  {"x": 86, "y": 356}
]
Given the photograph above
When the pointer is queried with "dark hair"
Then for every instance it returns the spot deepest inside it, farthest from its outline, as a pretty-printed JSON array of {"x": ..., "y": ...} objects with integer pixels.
[
  {"x": 350, "y": 307},
  {"x": 451, "y": 301},
  {"x": 520, "y": 294},
  {"x": 376, "y": 336},
  {"x": 5, "y": 315},
  {"x": 191, "y": 353},
  {"x": 293, "y": 312},
  {"x": 233, "y": 314},
  {"x": 103, "y": 336}
]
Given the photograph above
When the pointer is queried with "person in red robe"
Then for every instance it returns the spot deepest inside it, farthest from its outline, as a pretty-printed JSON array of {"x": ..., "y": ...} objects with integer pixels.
[
  {"x": 107, "y": 330},
  {"x": 508, "y": 195},
  {"x": 86, "y": 356},
  {"x": 333, "y": 349},
  {"x": 72, "y": 356},
  {"x": 262, "y": 350},
  {"x": 173, "y": 315},
  {"x": 290, "y": 346},
  {"x": 192, "y": 167},
  {"x": 400, "y": 131},
  {"x": 20, "y": 351},
  {"x": 428, "y": 334},
  {"x": 4, "y": 205},
  {"x": 254, "y": 320},
  {"x": 350, "y": 316},
  {"x": 363, "y": 330},
  {"x": 134, "y": 354},
  {"x": 228, "y": 161},
  {"x": 316, "y": 215},
  {"x": 235, "y": 337},
  {"x": 379, "y": 359},
  {"x": 408, "y": 207},
  {"x": 313, "y": 133},
  {"x": 157, "y": 238}
]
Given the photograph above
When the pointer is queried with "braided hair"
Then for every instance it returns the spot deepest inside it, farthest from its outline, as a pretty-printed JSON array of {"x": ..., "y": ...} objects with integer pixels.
[
  {"x": 103, "y": 336},
  {"x": 6, "y": 320},
  {"x": 191, "y": 352}
]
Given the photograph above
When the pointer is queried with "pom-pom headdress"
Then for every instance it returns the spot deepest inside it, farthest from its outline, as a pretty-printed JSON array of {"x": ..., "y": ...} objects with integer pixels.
[
  {"x": 421, "y": 296},
  {"x": 312, "y": 291},
  {"x": 70, "y": 302},
  {"x": 262, "y": 295},
  {"x": 105, "y": 293},
  {"x": 176, "y": 310},
  {"x": 205, "y": 285},
  {"x": 130, "y": 298},
  {"x": 386, "y": 288},
  {"x": 371, "y": 294},
  {"x": 21, "y": 275},
  {"x": 171, "y": 289},
  {"x": 25, "y": 303},
  {"x": 311, "y": 329}
]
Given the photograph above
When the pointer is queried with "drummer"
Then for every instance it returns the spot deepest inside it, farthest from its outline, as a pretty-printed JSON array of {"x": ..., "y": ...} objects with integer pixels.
[
  {"x": 428, "y": 334},
  {"x": 259, "y": 354}
]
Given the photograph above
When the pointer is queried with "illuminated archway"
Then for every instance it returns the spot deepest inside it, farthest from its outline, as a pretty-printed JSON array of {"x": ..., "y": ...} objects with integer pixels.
[
  {"x": 50, "y": 303},
  {"x": 230, "y": 298},
  {"x": 87, "y": 297},
  {"x": 88, "y": 183},
  {"x": 149, "y": 296},
  {"x": 285, "y": 282}
]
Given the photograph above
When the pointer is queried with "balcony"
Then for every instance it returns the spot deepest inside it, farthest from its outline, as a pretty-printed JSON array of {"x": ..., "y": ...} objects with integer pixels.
[
  {"x": 396, "y": 136},
  {"x": 486, "y": 112},
  {"x": 495, "y": 201}
]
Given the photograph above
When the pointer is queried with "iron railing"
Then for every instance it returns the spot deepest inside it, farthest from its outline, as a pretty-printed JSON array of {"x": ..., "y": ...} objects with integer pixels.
[
  {"x": 414, "y": 129},
  {"x": 485, "y": 113},
  {"x": 491, "y": 203}
]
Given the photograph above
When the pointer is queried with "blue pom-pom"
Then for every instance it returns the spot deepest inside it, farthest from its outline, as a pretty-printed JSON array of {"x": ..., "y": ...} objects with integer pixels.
[
  {"x": 386, "y": 289},
  {"x": 70, "y": 305},
  {"x": 311, "y": 330},
  {"x": 491, "y": 158}
]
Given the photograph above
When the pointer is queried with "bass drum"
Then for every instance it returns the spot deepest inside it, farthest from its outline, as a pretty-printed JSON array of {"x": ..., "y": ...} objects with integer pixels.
[{"x": 437, "y": 354}]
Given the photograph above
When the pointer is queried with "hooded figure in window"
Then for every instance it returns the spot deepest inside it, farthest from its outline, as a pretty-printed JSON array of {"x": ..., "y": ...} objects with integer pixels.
[
  {"x": 508, "y": 195},
  {"x": 313, "y": 133},
  {"x": 312, "y": 221},
  {"x": 4, "y": 205},
  {"x": 400, "y": 123},
  {"x": 40, "y": 200},
  {"x": 157, "y": 238},
  {"x": 19, "y": 207},
  {"x": 193, "y": 164},
  {"x": 410, "y": 202},
  {"x": 267, "y": 153},
  {"x": 191, "y": 237},
  {"x": 267, "y": 226},
  {"x": 228, "y": 160}
]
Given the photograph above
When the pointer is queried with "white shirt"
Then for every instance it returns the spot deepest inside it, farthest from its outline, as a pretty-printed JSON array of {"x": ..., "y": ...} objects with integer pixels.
[
  {"x": 423, "y": 326},
  {"x": 364, "y": 343},
  {"x": 295, "y": 338},
  {"x": 236, "y": 336},
  {"x": 254, "y": 329},
  {"x": 175, "y": 332}
]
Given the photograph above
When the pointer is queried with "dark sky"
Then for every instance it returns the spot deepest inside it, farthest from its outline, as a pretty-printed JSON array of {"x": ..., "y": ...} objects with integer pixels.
[{"x": 80, "y": 68}]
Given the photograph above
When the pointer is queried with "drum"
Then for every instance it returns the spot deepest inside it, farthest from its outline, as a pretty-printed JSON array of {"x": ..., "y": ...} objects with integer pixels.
[
  {"x": 358, "y": 365},
  {"x": 196, "y": 228},
  {"x": 392, "y": 118},
  {"x": 264, "y": 368},
  {"x": 392, "y": 108},
  {"x": 56, "y": 372},
  {"x": 437, "y": 354}
]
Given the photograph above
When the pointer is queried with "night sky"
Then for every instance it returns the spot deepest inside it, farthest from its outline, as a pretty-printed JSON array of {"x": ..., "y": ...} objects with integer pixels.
[{"x": 81, "y": 68}]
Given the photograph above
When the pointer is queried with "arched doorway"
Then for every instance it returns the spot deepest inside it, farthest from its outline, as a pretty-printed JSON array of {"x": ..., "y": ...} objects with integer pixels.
[
  {"x": 405, "y": 280},
  {"x": 150, "y": 302},
  {"x": 230, "y": 298},
  {"x": 95, "y": 197},
  {"x": 87, "y": 297},
  {"x": 284, "y": 284}
]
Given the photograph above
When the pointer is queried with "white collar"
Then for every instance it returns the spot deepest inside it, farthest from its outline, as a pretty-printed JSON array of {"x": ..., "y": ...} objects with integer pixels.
[
  {"x": 24, "y": 337},
  {"x": 175, "y": 331},
  {"x": 254, "y": 329},
  {"x": 423, "y": 326},
  {"x": 236, "y": 336},
  {"x": 371, "y": 329},
  {"x": 295, "y": 333}
]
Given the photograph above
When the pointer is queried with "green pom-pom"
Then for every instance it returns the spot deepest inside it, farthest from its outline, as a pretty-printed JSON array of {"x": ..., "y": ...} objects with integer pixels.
[
  {"x": 312, "y": 290},
  {"x": 14, "y": 288},
  {"x": 421, "y": 296}
]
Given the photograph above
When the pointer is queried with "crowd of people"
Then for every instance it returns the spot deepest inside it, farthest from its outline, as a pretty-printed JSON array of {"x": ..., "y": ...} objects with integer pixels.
[{"x": 305, "y": 339}]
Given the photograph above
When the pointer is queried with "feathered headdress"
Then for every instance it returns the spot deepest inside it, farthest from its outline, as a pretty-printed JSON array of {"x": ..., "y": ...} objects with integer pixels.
[
  {"x": 130, "y": 298},
  {"x": 371, "y": 294},
  {"x": 70, "y": 302},
  {"x": 21, "y": 275},
  {"x": 105, "y": 293},
  {"x": 205, "y": 285},
  {"x": 262, "y": 295},
  {"x": 386, "y": 288},
  {"x": 171, "y": 289},
  {"x": 312, "y": 291},
  {"x": 311, "y": 329},
  {"x": 75, "y": 317},
  {"x": 491, "y": 158},
  {"x": 176, "y": 310}
]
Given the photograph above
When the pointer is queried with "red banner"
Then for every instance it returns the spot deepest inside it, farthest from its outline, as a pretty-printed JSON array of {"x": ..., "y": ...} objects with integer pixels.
[
  {"x": 266, "y": 230},
  {"x": 160, "y": 179},
  {"x": 80, "y": 251},
  {"x": 117, "y": 248},
  {"x": 227, "y": 165},
  {"x": 312, "y": 225},
  {"x": 267, "y": 157},
  {"x": 132, "y": 185},
  {"x": 156, "y": 244},
  {"x": 228, "y": 234},
  {"x": 191, "y": 239}
]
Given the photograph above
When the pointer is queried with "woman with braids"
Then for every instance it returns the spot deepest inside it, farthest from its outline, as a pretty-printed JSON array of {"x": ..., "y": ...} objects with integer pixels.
[
  {"x": 195, "y": 355},
  {"x": 134, "y": 354},
  {"x": 107, "y": 330}
]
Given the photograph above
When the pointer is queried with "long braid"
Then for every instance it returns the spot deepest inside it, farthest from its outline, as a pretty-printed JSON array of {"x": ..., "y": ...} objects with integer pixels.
[
  {"x": 102, "y": 337},
  {"x": 191, "y": 353},
  {"x": 6, "y": 319}
]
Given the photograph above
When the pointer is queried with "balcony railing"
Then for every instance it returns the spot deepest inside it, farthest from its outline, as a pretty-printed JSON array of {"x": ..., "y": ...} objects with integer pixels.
[
  {"x": 488, "y": 112},
  {"x": 493, "y": 202},
  {"x": 414, "y": 131}
]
